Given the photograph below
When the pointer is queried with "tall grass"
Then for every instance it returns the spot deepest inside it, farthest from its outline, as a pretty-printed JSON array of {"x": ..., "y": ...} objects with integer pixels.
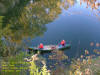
[{"x": 35, "y": 70}]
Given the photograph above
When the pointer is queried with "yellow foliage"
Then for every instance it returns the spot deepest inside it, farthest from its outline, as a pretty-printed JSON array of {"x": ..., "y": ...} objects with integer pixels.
[
  {"x": 77, "y": 72},
  {"x": 34, "y": 69}
]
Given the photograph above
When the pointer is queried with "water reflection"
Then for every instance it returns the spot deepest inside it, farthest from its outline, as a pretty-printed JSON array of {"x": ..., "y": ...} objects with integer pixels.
[
  {"x": 68, "y": 3},
  {"x": 8, "y": 5},
  {"x": 91, "y": 44},
  {"x": 31, "y": 19},
  {"x": 94, "y": 4},
  {"x": 27, "y": 19}
]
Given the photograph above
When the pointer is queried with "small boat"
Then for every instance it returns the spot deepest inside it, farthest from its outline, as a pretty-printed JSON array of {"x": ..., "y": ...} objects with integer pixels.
[{"x": 48, "y": 48}]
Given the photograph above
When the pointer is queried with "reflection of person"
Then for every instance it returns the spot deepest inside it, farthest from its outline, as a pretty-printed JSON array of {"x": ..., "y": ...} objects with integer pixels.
[
  {"x": 41, "y": 46},
  {"x": 63, "y": 42}
]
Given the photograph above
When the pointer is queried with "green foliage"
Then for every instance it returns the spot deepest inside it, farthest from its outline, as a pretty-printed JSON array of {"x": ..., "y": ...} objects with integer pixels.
[
  {"x": 3, "y": 48},
  {"x": 14, "y": 65},
  {"x": 7, "y": 49},
  {"x": 28, "y": 20},
  {"x": 34, "y": 70},
  {"x": 24, "y": 20},
  {"x": 1, "y": 17},
  {"x": 44, "y": 70}
]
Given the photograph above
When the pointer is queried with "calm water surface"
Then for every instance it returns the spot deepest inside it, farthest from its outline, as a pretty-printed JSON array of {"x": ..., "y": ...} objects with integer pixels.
[
  {"x": 25, "y": 23},
  {"x": 79, "y": 25}
]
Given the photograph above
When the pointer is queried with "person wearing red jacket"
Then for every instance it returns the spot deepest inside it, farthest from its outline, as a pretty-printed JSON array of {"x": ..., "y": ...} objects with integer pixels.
[
  {"x": 41, "y": 46},
  {"x": 63, "y": 42}
]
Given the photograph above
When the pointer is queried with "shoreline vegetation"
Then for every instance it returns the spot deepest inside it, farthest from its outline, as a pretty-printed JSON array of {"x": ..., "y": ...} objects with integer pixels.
[{"x": 33, "y": 64}]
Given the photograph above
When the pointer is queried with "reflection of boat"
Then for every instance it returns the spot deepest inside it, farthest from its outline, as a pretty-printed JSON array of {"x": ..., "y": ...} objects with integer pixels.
[{"x": 48, "y": 48}]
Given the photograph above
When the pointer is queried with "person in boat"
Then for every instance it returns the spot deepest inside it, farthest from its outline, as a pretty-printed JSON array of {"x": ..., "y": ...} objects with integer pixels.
[
  {"x": 63, "y": 43},
  {"x": 41, "y": 46}
]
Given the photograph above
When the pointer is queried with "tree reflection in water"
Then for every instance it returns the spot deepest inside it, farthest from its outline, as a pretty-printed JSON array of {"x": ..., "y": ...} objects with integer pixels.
[{"x": 25, "y": 19}]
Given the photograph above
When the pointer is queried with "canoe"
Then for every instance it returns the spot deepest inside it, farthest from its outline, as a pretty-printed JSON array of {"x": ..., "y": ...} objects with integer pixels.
[{"x": 48, "y": 48}]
